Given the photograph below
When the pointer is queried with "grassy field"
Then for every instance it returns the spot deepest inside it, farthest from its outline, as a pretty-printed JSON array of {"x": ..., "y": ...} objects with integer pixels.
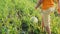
[{"x": 15, "y": 18}]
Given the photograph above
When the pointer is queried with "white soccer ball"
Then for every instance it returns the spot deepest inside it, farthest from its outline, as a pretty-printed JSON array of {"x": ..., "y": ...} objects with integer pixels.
[{"x": 34, "y": 19}]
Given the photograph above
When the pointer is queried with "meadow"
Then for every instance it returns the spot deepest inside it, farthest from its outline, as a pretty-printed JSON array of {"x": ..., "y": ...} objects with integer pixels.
[{"x": 15, "y": 18}]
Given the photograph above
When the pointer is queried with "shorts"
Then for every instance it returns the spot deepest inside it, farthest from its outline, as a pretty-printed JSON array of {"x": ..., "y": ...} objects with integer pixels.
[{"x": 46, "y": 16}]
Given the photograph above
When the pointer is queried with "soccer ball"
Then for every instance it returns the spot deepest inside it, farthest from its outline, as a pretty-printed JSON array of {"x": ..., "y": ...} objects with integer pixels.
[{"x": 34, "y": 19}]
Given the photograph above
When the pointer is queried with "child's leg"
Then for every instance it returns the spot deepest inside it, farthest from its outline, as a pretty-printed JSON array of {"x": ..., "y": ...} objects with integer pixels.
[
  {"x": 42, "y": 24},
  {"x": 48, "y": 25},
  {"x": 46, "y": 19}
]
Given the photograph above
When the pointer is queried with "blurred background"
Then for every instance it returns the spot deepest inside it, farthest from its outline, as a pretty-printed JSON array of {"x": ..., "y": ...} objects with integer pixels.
[{"x": 21, "y": 17}]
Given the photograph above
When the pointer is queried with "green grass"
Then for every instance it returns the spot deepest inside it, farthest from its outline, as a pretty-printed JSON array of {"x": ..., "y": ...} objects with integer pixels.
[{"x": 15, "y": 17}]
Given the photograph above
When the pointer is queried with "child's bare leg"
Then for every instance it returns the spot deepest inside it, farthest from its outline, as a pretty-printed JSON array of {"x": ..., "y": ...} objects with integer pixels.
[
  {"x": 47, "y": 23},
  {"x": 48, "y": 30},
  {"x": 42, "y": 24},
  {"x": 48, "y": 26}
]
